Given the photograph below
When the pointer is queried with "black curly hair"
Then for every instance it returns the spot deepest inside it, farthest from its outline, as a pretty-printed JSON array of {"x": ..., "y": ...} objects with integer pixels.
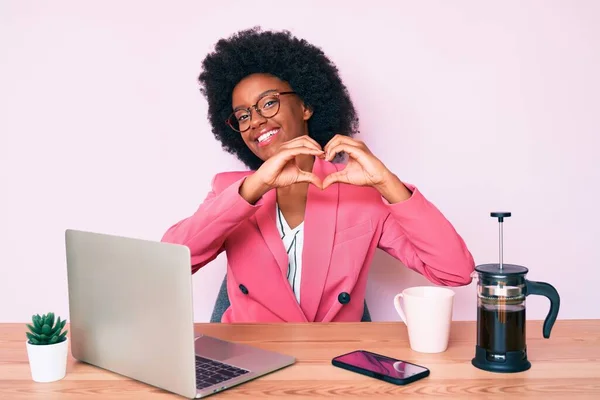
[{"x": 304, "y": 66}]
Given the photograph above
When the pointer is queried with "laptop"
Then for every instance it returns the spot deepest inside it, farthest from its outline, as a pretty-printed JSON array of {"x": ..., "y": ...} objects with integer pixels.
[{"x": 131, "y": 312}]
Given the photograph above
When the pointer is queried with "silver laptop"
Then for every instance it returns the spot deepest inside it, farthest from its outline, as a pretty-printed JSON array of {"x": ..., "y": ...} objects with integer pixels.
[{"x": 131, "y": 313}]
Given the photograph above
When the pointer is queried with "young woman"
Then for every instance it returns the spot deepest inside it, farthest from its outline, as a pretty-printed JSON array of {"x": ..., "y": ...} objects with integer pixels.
[{"x": 300, "y": 229}]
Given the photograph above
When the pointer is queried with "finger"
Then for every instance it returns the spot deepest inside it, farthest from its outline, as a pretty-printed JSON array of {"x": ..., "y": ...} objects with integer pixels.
[
  {"x": 339, "y": 177},
  {"x": 339, "y": 139},
  {"x": 332, "y": 142},
  {"x": 353, "y": 151},
  {"x": 309, "y": 177},
  {"x": 302, "y": 141},
  {"x": 298, "y": 143},
  {"x": 288, "y": 154},
  {"x": 311, "y": 140}
]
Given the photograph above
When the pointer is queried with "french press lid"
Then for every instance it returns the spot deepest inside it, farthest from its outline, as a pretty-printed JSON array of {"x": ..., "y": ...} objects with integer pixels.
[{"x": 501, "y": 270}]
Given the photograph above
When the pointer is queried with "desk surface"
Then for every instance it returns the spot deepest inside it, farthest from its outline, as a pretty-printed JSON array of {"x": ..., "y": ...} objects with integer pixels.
[{"x": 565, "y": 366}]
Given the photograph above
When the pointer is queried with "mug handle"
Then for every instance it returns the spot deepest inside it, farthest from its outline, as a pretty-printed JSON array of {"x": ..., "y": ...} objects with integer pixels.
[{"x": 399, "y": 308}]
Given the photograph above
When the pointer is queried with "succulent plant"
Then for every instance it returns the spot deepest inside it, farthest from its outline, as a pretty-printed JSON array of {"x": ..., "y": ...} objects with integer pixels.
[{"x": 45, "y": 331}]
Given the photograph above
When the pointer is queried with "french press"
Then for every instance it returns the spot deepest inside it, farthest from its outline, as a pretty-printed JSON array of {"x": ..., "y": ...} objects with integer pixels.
[{"x": 501, "y": 292}]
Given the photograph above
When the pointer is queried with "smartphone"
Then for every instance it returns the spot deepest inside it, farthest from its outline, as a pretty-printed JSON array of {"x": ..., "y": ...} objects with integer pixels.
[{"x": 381, "y": 367}]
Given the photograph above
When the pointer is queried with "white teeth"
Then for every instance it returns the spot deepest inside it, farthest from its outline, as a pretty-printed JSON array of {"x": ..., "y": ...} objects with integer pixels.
[{"x": 266, "y": 135}]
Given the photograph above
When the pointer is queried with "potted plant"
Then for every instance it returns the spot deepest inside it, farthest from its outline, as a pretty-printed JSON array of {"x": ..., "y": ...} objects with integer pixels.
[{"x": 47, "y": 348}]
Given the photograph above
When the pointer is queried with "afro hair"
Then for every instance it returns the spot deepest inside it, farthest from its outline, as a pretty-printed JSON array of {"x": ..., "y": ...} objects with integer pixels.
[{"x": 305, "y": 67}]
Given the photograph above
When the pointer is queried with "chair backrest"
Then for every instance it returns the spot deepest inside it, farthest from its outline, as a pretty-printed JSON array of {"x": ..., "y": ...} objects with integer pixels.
[{"x": 222, "y": 304}]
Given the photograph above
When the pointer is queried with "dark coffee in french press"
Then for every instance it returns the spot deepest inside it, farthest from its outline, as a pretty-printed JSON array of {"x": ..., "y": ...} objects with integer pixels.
[{"x": 501, "y": 318}]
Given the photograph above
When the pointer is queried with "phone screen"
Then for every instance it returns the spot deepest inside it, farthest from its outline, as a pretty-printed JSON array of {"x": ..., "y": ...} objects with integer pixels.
[{"x": 381, "y": 364}]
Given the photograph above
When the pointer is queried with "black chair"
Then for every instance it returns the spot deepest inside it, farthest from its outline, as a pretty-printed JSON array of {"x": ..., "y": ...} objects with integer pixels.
[{"x": 222, "y": 303}]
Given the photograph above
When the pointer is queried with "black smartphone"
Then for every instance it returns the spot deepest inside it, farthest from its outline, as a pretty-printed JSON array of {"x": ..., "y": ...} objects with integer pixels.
[{"x": 381, "y": 367}]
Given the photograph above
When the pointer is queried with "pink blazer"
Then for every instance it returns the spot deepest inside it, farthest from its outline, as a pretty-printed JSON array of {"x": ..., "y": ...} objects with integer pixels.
[{"x": 343, "y": 226}]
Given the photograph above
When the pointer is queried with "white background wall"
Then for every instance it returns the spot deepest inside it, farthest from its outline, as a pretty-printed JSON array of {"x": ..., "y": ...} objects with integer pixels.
[{"x": 483, "y": 106}]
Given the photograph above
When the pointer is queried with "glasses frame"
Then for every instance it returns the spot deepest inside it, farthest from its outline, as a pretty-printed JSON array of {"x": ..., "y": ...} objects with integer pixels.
[{"x": 255, "y": 107}]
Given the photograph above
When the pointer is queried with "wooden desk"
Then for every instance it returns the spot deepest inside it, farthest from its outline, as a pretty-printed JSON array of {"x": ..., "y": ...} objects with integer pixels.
[{"x": 565, "y": 366}]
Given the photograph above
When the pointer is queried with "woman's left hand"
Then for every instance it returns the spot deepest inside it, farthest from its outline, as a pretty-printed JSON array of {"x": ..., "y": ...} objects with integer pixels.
[{"x": 363, "y": 169}]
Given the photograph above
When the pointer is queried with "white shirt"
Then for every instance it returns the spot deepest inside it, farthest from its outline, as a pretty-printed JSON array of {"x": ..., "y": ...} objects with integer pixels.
[{"x": 293, "y": 241}]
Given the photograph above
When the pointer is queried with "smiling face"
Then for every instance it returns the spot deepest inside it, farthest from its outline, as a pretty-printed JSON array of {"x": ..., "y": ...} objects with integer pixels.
[{"x": 264, "y": 136}]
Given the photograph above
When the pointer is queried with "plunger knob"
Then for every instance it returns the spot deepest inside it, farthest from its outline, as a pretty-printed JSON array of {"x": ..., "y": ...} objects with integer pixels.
[{"x": 500, "y": 215}]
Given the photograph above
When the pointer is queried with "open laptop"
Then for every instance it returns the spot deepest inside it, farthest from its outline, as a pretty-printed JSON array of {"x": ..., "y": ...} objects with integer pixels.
[{"x": 131, "y": 313}]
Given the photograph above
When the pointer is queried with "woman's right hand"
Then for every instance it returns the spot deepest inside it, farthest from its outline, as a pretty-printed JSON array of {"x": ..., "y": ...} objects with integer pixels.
[{"x": 281, "y": 170}]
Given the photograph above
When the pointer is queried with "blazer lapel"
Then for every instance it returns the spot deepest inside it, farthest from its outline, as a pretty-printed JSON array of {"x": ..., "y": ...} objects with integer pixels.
[
  {"x": 265, "y": 217},
  {"x": 319, "y": 229}
]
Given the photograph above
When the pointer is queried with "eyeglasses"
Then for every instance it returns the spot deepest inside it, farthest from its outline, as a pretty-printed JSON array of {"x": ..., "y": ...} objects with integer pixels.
[{"x": 267, "y": 106}]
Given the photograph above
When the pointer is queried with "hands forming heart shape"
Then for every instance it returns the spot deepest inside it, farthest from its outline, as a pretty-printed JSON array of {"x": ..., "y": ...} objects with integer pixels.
[{"x": 362, "y": 169}]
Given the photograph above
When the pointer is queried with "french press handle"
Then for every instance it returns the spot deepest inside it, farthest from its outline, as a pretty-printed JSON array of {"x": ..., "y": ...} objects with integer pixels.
[{"x": 546, "y": 290}]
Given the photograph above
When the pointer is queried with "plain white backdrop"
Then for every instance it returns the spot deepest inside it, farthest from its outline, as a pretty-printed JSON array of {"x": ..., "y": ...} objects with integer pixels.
[{"x": 483, "y": 106}]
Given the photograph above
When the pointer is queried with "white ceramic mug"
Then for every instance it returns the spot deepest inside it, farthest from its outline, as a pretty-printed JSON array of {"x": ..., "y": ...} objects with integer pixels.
[{"x": 427, "y": 314}]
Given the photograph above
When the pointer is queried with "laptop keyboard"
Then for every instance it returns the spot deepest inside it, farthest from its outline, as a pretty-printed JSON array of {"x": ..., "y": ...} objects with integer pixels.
[{"x": 209, "y": 372}]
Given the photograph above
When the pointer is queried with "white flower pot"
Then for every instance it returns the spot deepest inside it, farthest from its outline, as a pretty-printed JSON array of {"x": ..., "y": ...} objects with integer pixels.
[{"x": 48, "y": 363}]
